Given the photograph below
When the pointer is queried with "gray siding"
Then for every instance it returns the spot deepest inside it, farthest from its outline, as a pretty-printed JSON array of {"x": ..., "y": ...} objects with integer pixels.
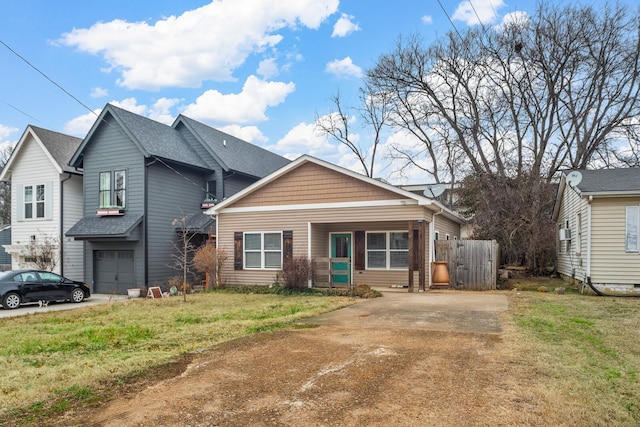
[
  {"x": 170, "y": 196},
  {"x": 110, "y": 149},
  {"x": 235, "y": 183}
]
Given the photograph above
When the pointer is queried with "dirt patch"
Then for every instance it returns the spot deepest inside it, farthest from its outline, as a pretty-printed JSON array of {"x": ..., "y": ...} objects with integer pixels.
[{"x": 332, "y": 376}]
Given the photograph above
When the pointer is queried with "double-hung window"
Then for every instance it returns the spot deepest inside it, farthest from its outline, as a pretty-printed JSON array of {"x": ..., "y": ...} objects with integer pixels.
[
  {"x": 34, "y": 201},
  {"x": 388, "y": 250},
  {"x": 263, "y": 250},
  {"x": 112, "y": 189}
]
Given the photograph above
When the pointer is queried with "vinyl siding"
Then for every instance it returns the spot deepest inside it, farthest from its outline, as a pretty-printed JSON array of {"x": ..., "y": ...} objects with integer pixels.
[
  {"x": 610, "y": 263},
  {"x": 170, "y": 196},
  {"x": 33, "y": 167},
  {"x": 446, "y": 226},
  {"x": 73, "y": 266},
  {"x": 323, "y": 222},
  {"x": 573, "y": 262}
]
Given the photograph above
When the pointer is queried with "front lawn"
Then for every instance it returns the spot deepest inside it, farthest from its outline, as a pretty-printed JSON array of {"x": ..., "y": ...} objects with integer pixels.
[{"x": 51, "y": 361}]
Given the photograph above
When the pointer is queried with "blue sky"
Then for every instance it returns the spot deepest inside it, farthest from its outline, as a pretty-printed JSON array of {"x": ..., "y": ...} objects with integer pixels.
[{"x": 262, "y": 70}]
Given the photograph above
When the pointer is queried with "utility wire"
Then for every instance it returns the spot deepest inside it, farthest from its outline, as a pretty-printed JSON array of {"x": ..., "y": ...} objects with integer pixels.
[
  {"x": 46, "y": 76},
  {"x": 449, "y": 18},
  {"x": 88, "y": 108}
]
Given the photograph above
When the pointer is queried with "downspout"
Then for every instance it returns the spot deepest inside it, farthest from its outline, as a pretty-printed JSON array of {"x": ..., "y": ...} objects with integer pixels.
[
  {"x": 432, "y": 246},
  {"x": 310, "y": 279},
  {"x": 69, "y": 175}
]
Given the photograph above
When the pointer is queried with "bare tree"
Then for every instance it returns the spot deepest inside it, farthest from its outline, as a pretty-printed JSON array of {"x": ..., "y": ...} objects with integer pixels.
[
  {"x": 556, "y": 90},
  {"x": 512, "y": 105},
  {"x": 183, "y": 251},
  {"x": 374, "y": 112},
  {"x": 43, "y": 252}
]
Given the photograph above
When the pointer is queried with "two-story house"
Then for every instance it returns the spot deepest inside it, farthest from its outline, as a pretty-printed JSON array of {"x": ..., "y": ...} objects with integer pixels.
[
  {"x": 46, "y": 200},
  {"x": 140, "y": 176}
]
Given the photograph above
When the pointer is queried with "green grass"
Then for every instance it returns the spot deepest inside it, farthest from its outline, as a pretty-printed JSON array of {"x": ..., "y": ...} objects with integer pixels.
[
  {"x": 51, "y": 361},
  {"x": 587, "y": 351}
]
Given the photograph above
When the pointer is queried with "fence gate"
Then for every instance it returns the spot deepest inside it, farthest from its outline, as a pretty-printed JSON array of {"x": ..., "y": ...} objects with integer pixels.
[{"x": 472, "y": 264}]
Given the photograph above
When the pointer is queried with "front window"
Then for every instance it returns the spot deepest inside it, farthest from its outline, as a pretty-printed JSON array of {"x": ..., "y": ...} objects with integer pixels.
[
  {"x": 263, "y": 250},
  {"x": 388, "y": 250},
  {"x": 34, "y": 199},
  {"x": 112, "y": 189}
]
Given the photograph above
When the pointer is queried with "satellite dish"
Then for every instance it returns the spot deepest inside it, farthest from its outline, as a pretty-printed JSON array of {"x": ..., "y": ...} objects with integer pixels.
[
  {"x": 434, "y": 190},
  {"x": 574, "y": 178}
]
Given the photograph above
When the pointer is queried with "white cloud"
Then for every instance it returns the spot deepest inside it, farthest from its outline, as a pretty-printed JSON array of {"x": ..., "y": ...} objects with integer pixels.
[
  {"x": 304, "y": 138},
  {"x": 247, "y": 106},
  {"x": 479, "y": 12},
  {"x": 514, "y": 18},
  {"x": 158, "y": 111},
  {"x": 427, "y": 19},
  {"x": 207, "y": 43},
  {"x": 99, "y": 92},
  {"x": 344, "y": 68},
  {"x": 246, "y": 133},
  {"x": 345, "y": 26},
  {"x": 268, "y": 68},
  {"x": 7, "y": 136}
]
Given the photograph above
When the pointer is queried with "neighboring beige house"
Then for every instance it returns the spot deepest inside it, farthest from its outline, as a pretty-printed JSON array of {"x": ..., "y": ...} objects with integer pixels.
[
  {"x": 597, "y": 213},
  {"x": 46, "y": 199},
  {"x": 314, "y": 209}
]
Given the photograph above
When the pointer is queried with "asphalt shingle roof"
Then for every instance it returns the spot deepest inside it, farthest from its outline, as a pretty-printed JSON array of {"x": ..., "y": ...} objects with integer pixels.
[
  {"x": 60, "y": 146},
  {"x": 609, "y": 180},
  {"x": 234, "y": 153},
  {"x": 158, "y": 139},
  {"x": 105, "y": 226}
]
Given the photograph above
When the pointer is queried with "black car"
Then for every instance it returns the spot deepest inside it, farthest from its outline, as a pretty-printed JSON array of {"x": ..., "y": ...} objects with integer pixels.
[{"x": 25, "y": 286}]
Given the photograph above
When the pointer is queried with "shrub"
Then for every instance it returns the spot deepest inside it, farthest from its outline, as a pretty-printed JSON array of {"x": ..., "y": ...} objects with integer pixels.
[{"x": 296, "y": 272}]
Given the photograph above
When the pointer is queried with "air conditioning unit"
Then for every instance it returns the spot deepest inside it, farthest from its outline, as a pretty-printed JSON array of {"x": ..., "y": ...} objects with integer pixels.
[{"x": 564, "y": 234}]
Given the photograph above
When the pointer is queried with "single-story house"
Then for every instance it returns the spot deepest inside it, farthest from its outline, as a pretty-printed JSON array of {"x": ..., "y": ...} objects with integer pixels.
[
  {"x": 597, "y": 214},
  {"x": 314, "y": 209}
]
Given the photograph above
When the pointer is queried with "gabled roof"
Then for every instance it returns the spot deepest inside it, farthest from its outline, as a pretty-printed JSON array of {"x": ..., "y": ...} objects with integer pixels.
[
  {"x": 609, "y": 181},
  {"x": 600, "y": 183},
  {"x": 232, "y": 153},
  {"x": 152, "y": 138},
  {"x": 57, "y": 146},
  {"x": 402, "y": 194}
]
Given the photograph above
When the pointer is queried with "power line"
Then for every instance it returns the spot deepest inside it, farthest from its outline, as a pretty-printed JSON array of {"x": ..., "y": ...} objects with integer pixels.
[
  {"x": 449, "y": 18},
  {"x": 19, "y": 110},
  {"x": 46, "y": 76}
]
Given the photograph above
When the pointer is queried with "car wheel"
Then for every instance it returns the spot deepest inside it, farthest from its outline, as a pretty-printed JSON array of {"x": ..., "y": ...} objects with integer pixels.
[
  {"x": 77, "y": 295},
  {"x": 11, "y": 301}
]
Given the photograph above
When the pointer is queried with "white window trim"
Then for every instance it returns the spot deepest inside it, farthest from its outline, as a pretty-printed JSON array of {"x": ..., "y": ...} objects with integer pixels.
[
  {"x": 47, "y": 203},
  {"x": 632, "y": 231},
  {"x": 387, "y": 250},
  {"x": 262, "y": 250},
  {"x": 112, "y": 188}
]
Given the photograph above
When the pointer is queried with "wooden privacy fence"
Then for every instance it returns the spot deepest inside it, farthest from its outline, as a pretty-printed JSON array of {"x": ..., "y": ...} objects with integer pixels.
[{"x": 472, "y": 264}]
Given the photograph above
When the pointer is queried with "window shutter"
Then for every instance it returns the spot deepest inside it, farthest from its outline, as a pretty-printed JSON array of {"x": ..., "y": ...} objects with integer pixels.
[
  {"x": 287, "y": 244},
  {"x": 359, "y": 256},
  {"x": 237, "y": 251},
  {"x": 48, "y": 200},
  {"x": 20, "y": 202}
]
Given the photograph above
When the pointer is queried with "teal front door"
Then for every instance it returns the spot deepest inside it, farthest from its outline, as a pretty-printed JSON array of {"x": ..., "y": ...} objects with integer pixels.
[{"x": 341, "y": 248}]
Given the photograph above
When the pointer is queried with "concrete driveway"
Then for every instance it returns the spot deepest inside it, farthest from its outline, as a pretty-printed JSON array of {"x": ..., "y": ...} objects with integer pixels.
[
  {"x": 440, "y": 310},
  {"x": 35, "y": 308}
]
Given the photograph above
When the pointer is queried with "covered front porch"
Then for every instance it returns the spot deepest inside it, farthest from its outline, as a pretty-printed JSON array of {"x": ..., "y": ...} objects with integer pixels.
[{"x": 383, "y": 254}]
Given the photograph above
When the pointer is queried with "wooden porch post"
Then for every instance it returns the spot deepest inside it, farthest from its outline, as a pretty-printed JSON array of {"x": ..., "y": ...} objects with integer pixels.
[
  {"x": 421, "y": 256},
  {"x": 412, "y": 254}
]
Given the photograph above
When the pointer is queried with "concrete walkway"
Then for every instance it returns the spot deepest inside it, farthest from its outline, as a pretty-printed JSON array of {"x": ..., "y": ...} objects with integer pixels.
[
  {"x": 35, "y": 308},
  {"x": 441, "y": 310}
]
